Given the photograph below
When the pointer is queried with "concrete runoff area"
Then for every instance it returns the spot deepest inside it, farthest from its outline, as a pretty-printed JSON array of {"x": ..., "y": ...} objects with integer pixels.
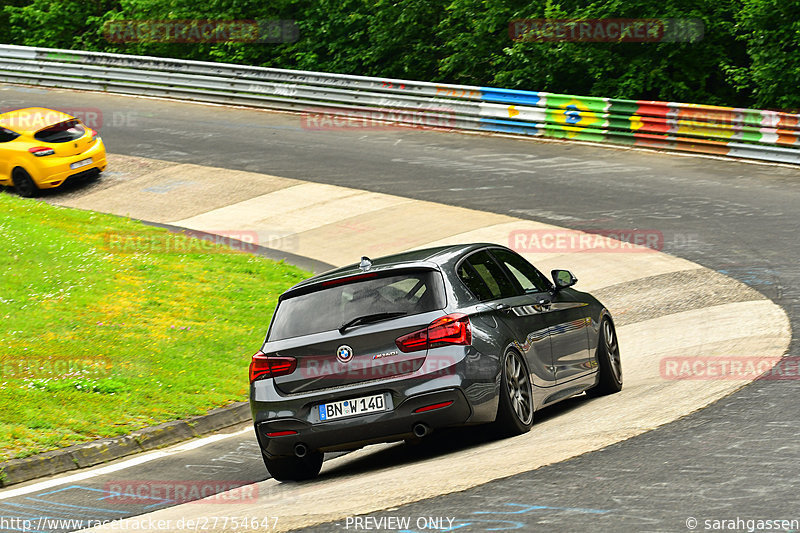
[{"x": 337, "y": 225}]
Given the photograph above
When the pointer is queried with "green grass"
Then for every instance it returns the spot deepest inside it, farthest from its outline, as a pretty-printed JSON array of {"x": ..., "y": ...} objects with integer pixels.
[{"x": 97, "y": 341}]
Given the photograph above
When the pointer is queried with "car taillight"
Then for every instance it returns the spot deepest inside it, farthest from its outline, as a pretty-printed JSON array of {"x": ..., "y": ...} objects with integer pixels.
[
  {"x": 450, "y": 329},
  {"x": 41, "y": 151},
  {"x": 263, "y": 366},
  {"x": 95, "y": 134}
]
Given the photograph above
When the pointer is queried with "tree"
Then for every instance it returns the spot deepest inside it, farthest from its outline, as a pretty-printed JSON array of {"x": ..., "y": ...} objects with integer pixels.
[{"x": 771, "y": 31}]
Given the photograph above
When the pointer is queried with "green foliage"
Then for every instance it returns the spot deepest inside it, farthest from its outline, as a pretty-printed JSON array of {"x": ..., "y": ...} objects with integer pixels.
[
  {"x": 664, "y": 71},
  {"x": 56, "y": 23},
  {"x": 747, "y": 56},
  {"x": 100, "y": 338},
  {"x": 771, "y": 31}
]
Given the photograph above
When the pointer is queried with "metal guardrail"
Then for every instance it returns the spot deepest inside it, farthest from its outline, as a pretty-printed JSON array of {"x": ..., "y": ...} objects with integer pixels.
[{"x": 726, "y": 131}]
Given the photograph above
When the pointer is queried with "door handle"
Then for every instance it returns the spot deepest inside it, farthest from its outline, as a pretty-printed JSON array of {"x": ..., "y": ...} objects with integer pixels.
[{"x": 502, "y": 307}]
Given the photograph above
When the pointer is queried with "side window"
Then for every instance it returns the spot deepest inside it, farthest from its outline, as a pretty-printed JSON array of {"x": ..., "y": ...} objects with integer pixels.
[
  {"x": 530, "y": 279},
  {"x": 7, "y": 135},
  {"x": 485, "y": 278},
  {"x": 473, "y": 282}
]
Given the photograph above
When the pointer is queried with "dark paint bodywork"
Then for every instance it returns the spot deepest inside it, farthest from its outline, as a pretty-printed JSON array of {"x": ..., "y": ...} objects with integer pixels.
[{"x": 558, "y": 342}]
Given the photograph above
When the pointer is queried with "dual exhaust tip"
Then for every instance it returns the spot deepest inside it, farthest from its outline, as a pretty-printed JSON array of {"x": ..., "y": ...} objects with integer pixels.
[{"x": 420, "y": 430}]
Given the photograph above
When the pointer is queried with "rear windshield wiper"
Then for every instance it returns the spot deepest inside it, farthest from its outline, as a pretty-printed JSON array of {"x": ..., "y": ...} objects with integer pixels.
[{"x": 366, "y": 319}]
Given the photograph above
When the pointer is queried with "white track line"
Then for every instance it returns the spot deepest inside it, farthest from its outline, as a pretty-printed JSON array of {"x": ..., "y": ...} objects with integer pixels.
[{"x": 141, "y": 459}]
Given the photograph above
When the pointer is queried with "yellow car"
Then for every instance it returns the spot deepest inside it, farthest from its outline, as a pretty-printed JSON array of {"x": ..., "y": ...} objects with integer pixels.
[{"x": 41, "y": 148}]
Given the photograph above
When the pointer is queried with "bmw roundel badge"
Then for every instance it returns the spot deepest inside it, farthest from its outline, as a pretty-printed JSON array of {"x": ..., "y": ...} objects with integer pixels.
[{"x": 344, "y": 353}]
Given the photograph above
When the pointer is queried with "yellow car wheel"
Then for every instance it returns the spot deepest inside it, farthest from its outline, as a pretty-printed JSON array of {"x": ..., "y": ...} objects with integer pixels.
[{"x": 23, "y": 183}]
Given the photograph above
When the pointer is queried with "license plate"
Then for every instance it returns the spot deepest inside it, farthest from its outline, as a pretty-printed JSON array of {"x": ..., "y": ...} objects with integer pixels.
[
  {"x": 357, "y": 406},
  {"x": 80, "y": 164}
]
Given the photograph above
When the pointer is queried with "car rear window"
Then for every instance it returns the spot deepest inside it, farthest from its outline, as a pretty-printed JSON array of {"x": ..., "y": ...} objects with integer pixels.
[
  {"x": 63, "y": 132},
  {"x": 329, "y": 308}
]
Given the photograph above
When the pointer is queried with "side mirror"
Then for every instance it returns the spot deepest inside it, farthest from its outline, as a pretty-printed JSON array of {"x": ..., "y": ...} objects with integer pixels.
[{"x": 563, "y": 279}]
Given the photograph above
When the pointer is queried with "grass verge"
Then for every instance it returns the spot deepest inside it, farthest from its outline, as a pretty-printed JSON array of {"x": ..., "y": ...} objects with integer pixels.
[{"x": 109, "y": 325}]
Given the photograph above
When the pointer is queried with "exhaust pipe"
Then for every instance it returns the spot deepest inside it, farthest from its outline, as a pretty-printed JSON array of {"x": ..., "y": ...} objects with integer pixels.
[
  {"x": 420, "y": 430},
  {"x": 300, "y": 450}
]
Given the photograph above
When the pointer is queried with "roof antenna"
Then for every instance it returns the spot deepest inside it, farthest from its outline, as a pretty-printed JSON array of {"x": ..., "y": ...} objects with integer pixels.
[{"x": 366, "y": 262}]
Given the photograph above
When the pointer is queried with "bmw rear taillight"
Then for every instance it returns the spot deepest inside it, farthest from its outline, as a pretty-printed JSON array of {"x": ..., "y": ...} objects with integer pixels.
[
  {"x": 450, "y": 329},
  {"x": 263, "y": 366},
  {"x": 41, "y": 151}
]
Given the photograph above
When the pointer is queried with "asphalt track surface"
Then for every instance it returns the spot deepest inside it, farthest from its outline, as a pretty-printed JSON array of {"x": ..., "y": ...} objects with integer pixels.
[{"x": 737, "y": 459}]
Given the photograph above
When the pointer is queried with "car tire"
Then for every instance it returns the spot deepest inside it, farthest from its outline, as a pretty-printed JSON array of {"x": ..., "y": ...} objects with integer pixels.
[
  {"x": 294, "y": 468},
  {"x": 23, "y": 183},
  {"x": 609, "y": 362},
  {"x": 515, "y": 411}
]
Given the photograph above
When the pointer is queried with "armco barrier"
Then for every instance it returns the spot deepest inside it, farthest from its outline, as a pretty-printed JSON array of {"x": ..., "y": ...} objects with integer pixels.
[{"x": 726, "y": 131}]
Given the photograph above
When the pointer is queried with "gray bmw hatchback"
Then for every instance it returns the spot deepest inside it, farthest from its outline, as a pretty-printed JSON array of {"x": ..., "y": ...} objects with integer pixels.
[{"x": 396, "y": 347}]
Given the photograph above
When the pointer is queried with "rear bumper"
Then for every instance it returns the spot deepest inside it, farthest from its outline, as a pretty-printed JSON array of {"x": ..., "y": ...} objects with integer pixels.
[
  {"x": 50, "y": 171},
  {"x": 361, "y": 430},
  {"x": 459, "y": 374}
]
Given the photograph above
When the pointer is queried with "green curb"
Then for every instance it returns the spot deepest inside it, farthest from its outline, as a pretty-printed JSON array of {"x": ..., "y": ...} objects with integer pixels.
[{"x": 104, "y": 450}]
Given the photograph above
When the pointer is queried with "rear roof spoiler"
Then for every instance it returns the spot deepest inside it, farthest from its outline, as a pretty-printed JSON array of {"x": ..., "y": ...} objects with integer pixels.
[{"x": 352, "y": 276}]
